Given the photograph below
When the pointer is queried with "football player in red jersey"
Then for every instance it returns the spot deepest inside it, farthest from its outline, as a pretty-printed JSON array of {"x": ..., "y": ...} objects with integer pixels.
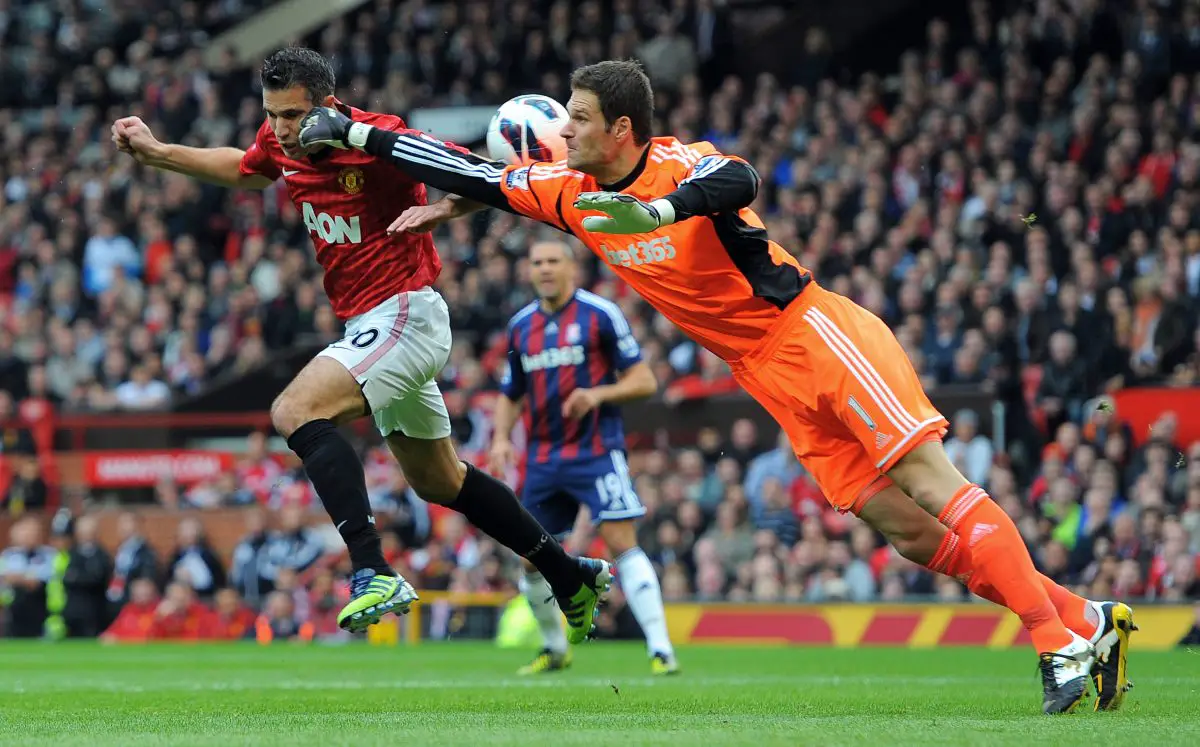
[{"x": 397, "y": 340}]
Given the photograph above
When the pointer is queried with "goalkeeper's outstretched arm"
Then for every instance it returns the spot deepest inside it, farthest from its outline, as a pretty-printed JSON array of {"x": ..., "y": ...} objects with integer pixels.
[
  {"x": 441, "y": 165},
  {"x": 715, "y": 185},
  {"x": 423, "y": 158}
]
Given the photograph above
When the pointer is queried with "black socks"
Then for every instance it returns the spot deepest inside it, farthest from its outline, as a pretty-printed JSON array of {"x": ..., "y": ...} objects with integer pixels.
[
  {"x": 337, "y": 473},
  {"x": 492, "y": 507}
]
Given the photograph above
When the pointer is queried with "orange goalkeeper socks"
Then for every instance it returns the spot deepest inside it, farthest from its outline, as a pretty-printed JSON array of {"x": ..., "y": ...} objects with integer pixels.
[
  {"x": 1073, "y": 610},
  {"x": 999, "y": 560},
  {"x": 954, "y": 560}
]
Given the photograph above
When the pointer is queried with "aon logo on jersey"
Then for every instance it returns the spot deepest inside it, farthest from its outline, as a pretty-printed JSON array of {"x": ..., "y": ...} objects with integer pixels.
[
  {"x": 333, "y": 229},
  {"x": 571, "y": 355}
]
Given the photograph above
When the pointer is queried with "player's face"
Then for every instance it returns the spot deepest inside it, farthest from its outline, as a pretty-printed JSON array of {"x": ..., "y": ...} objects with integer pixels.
[
  {"x": 591, "y": 143},
  {"x": 551, "y": 269},
  {"x": 284, "y": 110}
]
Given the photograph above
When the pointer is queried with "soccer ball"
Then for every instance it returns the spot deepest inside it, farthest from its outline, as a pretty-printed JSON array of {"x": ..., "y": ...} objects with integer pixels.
[{"x": 525, "y": 129}]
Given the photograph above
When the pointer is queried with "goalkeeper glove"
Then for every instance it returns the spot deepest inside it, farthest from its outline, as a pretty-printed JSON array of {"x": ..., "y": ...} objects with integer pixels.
[
  {"x": 624, "y": 213},
  {"x": 325, "y": 125}
]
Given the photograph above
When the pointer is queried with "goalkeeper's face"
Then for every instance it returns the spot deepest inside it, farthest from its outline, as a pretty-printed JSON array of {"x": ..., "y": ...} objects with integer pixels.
[
  {"x": 285, "y": 108},
  {"x": 592, "y": 142}
]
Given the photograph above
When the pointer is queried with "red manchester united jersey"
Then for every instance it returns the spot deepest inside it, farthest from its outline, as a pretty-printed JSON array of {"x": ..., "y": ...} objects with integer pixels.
[{"x": 347, "y": 199}]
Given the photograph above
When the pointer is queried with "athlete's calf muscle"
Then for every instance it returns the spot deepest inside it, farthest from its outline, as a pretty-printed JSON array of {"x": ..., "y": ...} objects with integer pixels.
[
  {"x": 431, "y": 466},
  {"x": 323, "y": 390}
]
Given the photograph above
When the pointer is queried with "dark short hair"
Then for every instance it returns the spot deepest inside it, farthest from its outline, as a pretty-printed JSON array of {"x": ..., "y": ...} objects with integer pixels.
[
  {"x": 298, "y": 66},
  {"x": 623, "y": 90}
]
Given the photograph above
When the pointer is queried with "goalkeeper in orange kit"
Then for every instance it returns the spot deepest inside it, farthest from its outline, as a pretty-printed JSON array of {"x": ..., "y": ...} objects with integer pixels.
[{"x": 673, "y": 221}]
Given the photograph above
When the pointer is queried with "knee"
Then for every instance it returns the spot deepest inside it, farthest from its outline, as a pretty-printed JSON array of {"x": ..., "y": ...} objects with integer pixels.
[
  {"x": 619, "y": 536},
  {"x": 619, "y": 548},
  {"x": 919, "y": 545},
  {"x": 925, "y": 495},
  {"x": 435, "y": 481},
  {"x": 286, "y": 415},
  {"x": 908, "y": 527},
  {"x": 290, "y": 411},
  {"x": 910, "y": 546},
  {"x": 928, "y": 476}
]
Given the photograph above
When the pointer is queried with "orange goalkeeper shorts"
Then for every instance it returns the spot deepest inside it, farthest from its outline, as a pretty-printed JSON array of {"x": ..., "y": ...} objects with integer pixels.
[{"x": 837, "y": 381}]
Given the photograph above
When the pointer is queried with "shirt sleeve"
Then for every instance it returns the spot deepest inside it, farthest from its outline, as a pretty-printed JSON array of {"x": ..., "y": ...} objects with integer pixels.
[
  {"x": 618, "y": 340},
  {"x": 257, "y": 161},
  {"x": 392, "y": 123},
  {"x": 539, "y": 191},
  {"x": 512, "y": 385},
  {"x": 534, "y": 191},
  {"x": 715, "y": 184}
]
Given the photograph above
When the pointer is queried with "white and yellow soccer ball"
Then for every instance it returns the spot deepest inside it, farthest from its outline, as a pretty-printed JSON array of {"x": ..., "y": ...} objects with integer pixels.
[{"x": 526, "y": 130}]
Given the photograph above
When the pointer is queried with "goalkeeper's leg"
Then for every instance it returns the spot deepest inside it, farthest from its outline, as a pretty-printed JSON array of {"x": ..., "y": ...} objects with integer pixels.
[
  {"x": 921, "y": 538},
  {"x": 925, "y": 541}
]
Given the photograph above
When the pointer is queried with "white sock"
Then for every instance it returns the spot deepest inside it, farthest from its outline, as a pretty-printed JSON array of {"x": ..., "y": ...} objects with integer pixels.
[
  {"x": 640, "y": 584},
  {"x": 545, "y": 611},
  {"x": 1097, "y": 609}
]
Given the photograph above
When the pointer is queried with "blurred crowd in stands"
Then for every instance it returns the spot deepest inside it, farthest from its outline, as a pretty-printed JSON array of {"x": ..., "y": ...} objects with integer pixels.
[
  {"x": 732, "y": 519},
  {"x": 1018, "y": 199}
]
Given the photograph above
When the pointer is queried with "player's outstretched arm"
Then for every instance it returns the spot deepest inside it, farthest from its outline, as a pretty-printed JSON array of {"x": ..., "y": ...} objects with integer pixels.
[
  {"x": 220, "y": 166},
  {"x": 715, "y": 185},
  {"x": 425, "y": 159}
]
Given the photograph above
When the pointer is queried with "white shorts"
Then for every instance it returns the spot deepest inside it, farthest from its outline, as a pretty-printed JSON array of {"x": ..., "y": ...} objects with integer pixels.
[{"x": 395, "y": 351}]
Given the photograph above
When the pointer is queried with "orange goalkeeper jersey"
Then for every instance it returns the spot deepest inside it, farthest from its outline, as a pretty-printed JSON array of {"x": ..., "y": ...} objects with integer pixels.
[{"x": 718, "y": 277}]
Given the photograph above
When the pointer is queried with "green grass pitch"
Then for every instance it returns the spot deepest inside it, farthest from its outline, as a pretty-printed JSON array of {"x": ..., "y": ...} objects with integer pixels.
[{"x": 466, "y": 694}]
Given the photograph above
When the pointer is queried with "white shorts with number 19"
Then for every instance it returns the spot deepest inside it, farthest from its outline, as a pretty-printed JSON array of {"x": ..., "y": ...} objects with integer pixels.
[{"x": 395, "y": 351}]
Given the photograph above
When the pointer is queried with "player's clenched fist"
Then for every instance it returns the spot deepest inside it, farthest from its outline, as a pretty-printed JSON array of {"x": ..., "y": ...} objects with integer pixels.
[{"x": 131, "y": 135}]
